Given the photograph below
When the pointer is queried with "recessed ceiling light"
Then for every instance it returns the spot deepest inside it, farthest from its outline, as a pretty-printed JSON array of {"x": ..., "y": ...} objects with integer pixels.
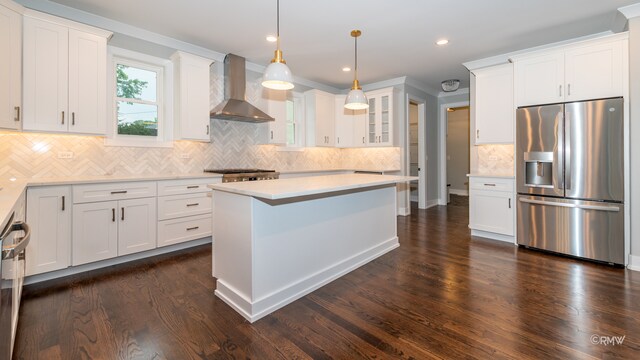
[
  {"x": 346, "y": 69},
  {"x": 271, "y": 38},
  {"x": 442, "y": 42}
]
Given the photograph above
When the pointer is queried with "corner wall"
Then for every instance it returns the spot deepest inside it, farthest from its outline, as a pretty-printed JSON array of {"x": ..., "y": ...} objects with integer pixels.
[{"x": 634, "y": 134}]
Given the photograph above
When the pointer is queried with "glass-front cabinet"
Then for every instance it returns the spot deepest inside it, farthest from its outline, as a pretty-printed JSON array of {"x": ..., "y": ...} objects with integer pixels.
[{"x": 380, "y": 117}]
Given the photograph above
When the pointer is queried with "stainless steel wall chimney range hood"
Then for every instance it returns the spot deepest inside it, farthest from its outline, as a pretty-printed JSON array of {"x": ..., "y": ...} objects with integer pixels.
[{"x": 235, "y": 107}]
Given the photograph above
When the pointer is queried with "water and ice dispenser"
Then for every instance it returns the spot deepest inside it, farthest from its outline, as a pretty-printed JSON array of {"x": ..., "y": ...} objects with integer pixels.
[{"x": 538, "y": 169}]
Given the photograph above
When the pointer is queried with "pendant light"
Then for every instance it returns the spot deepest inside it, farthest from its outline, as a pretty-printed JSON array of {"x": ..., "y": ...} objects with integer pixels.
[
  {"x": 277, "y": 75},
  {"x": 356, "y": 99}
]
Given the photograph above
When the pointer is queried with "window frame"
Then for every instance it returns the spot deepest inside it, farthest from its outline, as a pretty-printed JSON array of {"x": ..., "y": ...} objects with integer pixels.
[
  {"x": 299, "y": 123},
  {"x": 164, "y": 99}
]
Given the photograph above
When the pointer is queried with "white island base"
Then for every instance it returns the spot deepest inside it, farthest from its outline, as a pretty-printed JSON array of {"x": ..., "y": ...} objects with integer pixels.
[{"x": 270, "y": 252}]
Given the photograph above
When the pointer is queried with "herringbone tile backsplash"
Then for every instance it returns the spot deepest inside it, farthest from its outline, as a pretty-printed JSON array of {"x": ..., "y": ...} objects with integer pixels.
[{"x": 233, "y": 144}]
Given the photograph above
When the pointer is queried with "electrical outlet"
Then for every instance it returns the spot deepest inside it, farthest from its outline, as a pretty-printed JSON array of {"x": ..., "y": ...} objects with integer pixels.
[
  {"x": 493, "y": 158},
  {"x": 185, "y": 156},
  {"x": 65, "y": 155}
]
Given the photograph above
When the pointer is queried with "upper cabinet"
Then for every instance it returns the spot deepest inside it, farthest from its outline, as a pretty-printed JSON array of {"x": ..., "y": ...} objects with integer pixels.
[
  {"x": 492, "y": 104},
  {"x": 10, "y": 66},
  {"x": 277, "y": 108},
  {"x": 191, "y": 97},
  {"x": 65, "y": 71},
  {"x": 587, "y": 70},
  {"x": 380, "y": 117},
  {"x": 320, "y": 117}
]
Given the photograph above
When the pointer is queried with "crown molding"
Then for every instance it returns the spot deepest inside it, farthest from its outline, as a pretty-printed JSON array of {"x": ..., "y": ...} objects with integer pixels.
[
  {"x": 630, "y": 11},
  {"x": 12, "y": 5}
]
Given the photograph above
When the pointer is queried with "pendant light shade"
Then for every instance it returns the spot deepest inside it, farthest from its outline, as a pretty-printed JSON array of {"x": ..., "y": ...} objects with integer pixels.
[
  {"x": 277, "y": 75},
  {"x": 356, "y": 99}
]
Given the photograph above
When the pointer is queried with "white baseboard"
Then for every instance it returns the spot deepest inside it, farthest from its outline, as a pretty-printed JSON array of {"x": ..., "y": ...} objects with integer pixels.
[
  {"x": 255, "y": 310},
  {"x": 433, "y": 202},
  {"x": 494, "y": 236},
  {"x": 114, "y": 261},
  {"x": 461, "y": 192},
  {"x": 404, "y": 211},
  {"x": 634, "y": 263},
  {"x": 441, "y": 201}
]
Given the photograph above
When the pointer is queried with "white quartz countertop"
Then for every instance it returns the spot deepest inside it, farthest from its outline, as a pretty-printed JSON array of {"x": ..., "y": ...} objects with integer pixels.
[
  {"x": 313, "y": 185},
  {"x": 371, "y": 170}
]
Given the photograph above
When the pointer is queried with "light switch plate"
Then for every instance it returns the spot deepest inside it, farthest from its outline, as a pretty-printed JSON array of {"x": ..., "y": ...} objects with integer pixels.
[{"x": 65, "y": 155}]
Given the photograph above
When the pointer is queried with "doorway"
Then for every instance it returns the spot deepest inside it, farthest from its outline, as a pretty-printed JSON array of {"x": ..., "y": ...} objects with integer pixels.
[
  {"x": 442, "y": 147},
  {"x": 415, "y": 155},
  {"x": 413, "y": 150},
  {"x": 458, "y": 163}
]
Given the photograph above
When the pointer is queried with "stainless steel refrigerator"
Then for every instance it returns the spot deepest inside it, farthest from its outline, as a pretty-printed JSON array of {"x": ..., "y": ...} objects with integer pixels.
[{"x": 570, "y": 178}]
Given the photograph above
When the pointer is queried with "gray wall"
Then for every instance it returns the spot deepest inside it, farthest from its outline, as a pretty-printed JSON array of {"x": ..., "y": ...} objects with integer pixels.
[
  {"x": 634, "y": 87},
  {"x": 458, "y": 149}
]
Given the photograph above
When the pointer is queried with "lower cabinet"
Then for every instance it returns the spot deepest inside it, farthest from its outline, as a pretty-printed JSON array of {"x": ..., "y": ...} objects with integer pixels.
[
  {"x": 49, "y": 215},
  {"x": 108, "y": 229},
  {"x": 491, "y": 205}
]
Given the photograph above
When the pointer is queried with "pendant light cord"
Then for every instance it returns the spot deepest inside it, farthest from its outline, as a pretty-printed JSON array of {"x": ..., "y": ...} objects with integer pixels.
[
  {"x": 278, "y": 23},
  {"x": 355, "y": 72}
]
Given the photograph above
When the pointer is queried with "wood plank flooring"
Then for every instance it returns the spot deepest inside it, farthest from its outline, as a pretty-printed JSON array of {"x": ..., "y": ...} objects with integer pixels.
[{"x": 441, "y": 295}]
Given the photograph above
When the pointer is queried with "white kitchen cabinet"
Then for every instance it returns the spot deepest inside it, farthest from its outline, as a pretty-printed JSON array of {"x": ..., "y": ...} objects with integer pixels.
[
  {"x": 95, "y": 232},
  {"x": 65, "y": 81},
  {"x": 491, "y": 205},
  {"x": 320, "y": 117},
  {"x": 49, "y": 215},
  {"x": 344, "y": 122},
  {"x": 136, "y": 225},
  {"x": 492, "y": 92},
  {"x": 587, "y": 70},
  {"x": 380, "y": 117},
  {"x": 191, "y": 97},
  {"x": 277, "y": 108},
  {"x": 10, "y": 66}
]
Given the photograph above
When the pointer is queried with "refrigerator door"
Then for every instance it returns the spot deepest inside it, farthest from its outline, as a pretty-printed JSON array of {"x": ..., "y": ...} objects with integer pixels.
[
  {"x": 587, "y": 229},
  {"x": 539, "y": 150},
  {"x": 594, "y": 139}
]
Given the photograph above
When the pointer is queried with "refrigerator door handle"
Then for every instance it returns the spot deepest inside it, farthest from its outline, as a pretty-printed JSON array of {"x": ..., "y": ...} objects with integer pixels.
[
  {"x": 567, "y": 151},
  {"x": 568, "y": 205},
  {"x": 559, "y": 162}
]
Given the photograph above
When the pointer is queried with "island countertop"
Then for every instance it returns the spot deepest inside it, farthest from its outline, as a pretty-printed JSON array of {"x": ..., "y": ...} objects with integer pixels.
[{"x": 314, "y": 185}]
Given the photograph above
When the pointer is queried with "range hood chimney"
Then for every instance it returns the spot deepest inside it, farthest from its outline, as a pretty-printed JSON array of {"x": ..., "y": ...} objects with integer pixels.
[{"x": 235, "y": 107}]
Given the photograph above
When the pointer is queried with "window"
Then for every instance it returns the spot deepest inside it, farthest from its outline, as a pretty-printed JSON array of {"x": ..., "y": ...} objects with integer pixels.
[
  {"x": 141, "y": 102},
  {"x": 294, "y": 122}
]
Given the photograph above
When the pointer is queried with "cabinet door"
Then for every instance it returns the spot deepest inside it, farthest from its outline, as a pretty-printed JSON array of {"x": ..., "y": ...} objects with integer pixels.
[
  {"x": 321, "y": 108},
  {"x": 493, "y": 92},
  {"x": 277, "y": 108},
  {"x": 95, "y": 232},
  {"x": 46, "y": 69},
  {"x": 540, "y": 79},
  {"x": 491, "y": 211},
  {"x": 10, "y": 68},
  {"x": 385, "y": 120},
  {"x": 344, "y": 124},
  {"x": 87, "y": 83},
  {"x": 372, "y": 122},
  {"x": 594, "y": 72},
  {"x": 192, "y": 96},
  {"x": 49, "y": 215},
  {"x": 359, "y": 128},
  {"x": 137, "y": 225}
]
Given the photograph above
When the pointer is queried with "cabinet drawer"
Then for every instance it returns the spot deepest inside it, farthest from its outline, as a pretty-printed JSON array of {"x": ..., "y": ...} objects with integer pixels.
[
  {"x": 186, "y": 186},
  {"x": 113, "y": 191},
  {"x": 488, "y": 183},
  {"x": 184, "y": 229},
  {"x": 170, "y": 207}
]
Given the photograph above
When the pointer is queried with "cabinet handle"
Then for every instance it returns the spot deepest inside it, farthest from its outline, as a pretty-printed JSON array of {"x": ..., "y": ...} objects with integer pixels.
[
  {"x": 193, "y": 186},
  {"x": 363, "y": 139},
  {"x": 509, "y": 203},
  {"x": 193, "y": 228},
  {"x": 122, "y": 215},
  {"x": 113, "y": 214},
  {"x": 63, "y": 118},
  {"x": 271, "y": 134},
  {"x": 17, "y": 109},
  {"x": 73, "y": 118},
  {"x": 63, "y": 202},
  {"x": 568, "y": 89},
  {"x": 560, "y": 91},
  {"x": 338, "y": 138},
  {"x": 478, "y": 134},
  {"x": 119, "y": 192},
  {"x": 207, "y": 129},
  {"x": 194, "y": 204},
  {"x": 489, "y": 184}
]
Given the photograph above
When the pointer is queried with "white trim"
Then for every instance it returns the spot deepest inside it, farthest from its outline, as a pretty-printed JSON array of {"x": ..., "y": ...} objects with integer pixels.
[
  {"x": 460, "y": 192},
  {"x": 504, "y": 58},
  {"x": 630, "y": 11},
  {"x": 114, "y": 261},
  {"x": 404, "y": 211},
  {"x": 422, "y": 143},
  {"x": 432, "y": 203},
  {"x": 67, "y": 23},
  {"x": 634, "y": 263},
  {"x": 494, "y": 236},
  {"x": 460, "y": 91},
  {"x": 442, "y": 153},
  {"x": 13, "y": 6}
]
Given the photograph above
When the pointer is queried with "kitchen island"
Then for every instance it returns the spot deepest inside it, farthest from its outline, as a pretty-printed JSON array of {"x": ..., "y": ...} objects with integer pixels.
[{"x": 278, "y": 240}]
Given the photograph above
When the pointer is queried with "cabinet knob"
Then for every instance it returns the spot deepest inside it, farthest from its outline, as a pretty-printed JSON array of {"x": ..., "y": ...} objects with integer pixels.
[
  {"x": 113, "y": 214},
  {"x": 271, "y": 134},
  {"x": 122, "y": 214}
]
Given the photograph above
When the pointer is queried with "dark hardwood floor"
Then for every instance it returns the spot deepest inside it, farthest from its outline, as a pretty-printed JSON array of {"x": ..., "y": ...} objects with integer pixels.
[{"x": 442, "y": 294}]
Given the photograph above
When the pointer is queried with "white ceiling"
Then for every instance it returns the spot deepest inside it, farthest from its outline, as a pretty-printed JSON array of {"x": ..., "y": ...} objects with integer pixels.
[{"x": 398, "y": 37}]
